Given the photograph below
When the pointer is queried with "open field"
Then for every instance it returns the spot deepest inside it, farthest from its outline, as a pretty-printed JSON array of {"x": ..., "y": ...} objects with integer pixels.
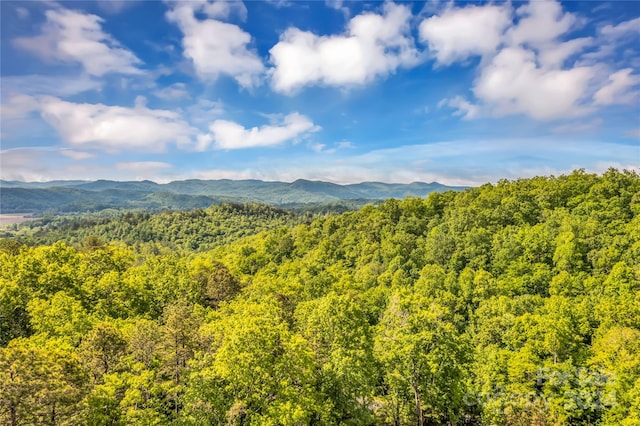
[{"x": 9, "y": 219}]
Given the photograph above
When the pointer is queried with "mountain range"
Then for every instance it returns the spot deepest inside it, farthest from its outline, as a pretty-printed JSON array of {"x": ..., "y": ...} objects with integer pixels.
[{"x": 83, "y": 196}]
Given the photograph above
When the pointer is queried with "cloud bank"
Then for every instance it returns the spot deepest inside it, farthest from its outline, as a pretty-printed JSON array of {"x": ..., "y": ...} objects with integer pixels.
[{"x": 115, "y": 128}]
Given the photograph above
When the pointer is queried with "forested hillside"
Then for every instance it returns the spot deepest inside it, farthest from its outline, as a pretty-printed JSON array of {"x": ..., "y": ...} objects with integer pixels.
[
  {"x": 508, "y": 304},
  {"x": 63, "y": 197},
  {"x": 197, "y": 229}
]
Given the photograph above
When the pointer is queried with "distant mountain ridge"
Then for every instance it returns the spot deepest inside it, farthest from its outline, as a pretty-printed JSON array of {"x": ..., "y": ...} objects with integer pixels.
[{"x": 79, "y": 196}]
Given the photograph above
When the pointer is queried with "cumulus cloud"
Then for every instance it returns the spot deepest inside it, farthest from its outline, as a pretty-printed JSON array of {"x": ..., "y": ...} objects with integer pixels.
[
  {"x": 540, "y": 22},
  {"x": 74, "y": 37},
  {"x": 115, "y": 128},
  {"x": 459, "y": 33},
  {"x": 223, "y": 9},
  {"x": 513, "y": 83},
  {"x": 540, "y": 28},
  {"x": 215, "y": 47},
  {"x": 622, "y": 29},
  {"x": 555, "y": 55},
  {"x": 374, "y": 45},
  {"x": 526, "y": 65},
  {"x": 619, "y": 89},
  {"x": 230, "y": 135}
]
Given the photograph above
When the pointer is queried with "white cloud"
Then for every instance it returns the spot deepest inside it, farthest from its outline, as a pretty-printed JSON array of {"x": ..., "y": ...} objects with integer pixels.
[
  {"x": 74, "y": 37},
  {"x": 203, "y": 142},
  {"x": 320, "y": 147},
  {"x": 222, "y": 9},
  {"x": 205, "y": 110},
  {"x": 459, "y": 162},
  {"x": 115, "y": 128},
  {"x": 114, "y": 7},
  {"x": 555, "y": 55},
  {"x": 27, "y": 165},
  {"x": 214, "y": 9},
  {"x": 540, "y": 22},
  {"x": 459, "y": 33},
  {"x": 18, "y": 106},
  {"x": 216, "y": 47},
  {"x": 230, "y": 135},
  {"x": 526, "y": 65},
  {"x": 40, "y": 164},
  {"x": 610, "y": 40},
  {"x": 622, "y": 29},
  {"x": 619, "y": 89},
  {"x": 540, "y": 27},
  {"x": 172, "y": 92},
  {"x": 463, "y": 107},
  {"x": 463, "y": 32},
  {"x": 513, "y": 83},
  {"x": 34, "y": 84},
  {"x": 143, "y": 167},
  {"x": 345, "y": 145},
  {"x": 334, "y": 4},
  {"x": 338, "y": 5},
  {"x": 579, "y": 127},
  {"x": 77, "y": 155},
  {"x": 19, "y": 119},
  {"x": 373, "y": 46}
]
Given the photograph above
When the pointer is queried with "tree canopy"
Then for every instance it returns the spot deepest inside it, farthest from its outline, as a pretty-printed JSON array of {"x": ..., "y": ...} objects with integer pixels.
[{"x": 513, "y": 303}]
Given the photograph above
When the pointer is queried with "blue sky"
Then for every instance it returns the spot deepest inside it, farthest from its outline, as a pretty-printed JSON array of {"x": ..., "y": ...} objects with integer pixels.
[{"x": 460, "y": 93}]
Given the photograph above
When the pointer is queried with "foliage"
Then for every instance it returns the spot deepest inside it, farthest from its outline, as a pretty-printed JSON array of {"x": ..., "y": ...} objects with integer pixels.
[
  {"x": 198, "y": 229},
  {"x": 507, "y": 304}
]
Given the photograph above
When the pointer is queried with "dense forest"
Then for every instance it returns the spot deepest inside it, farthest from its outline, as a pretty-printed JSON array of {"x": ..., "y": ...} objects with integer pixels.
[
  {"x": 198, "y": 229},
  {"x": 508, "y": 304}
]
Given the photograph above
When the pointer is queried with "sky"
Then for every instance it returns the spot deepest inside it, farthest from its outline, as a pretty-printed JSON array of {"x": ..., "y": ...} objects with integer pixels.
[{"x": 462, "y": 93}]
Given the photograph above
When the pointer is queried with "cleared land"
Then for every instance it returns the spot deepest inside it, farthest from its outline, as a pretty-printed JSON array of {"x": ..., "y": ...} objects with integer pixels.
[{"x": 9, "y": 219}]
